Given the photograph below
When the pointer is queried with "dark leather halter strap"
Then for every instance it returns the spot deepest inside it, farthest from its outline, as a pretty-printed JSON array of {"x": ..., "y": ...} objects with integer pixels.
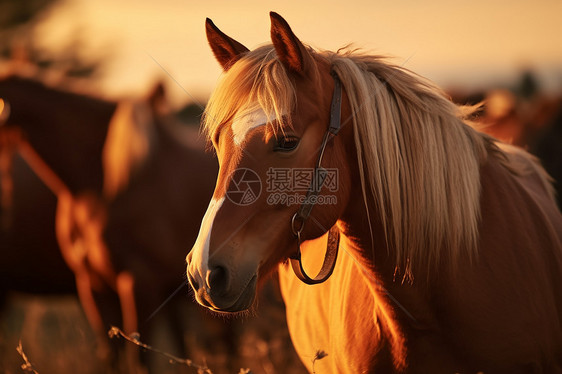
[{"x": 318, "y": 179}]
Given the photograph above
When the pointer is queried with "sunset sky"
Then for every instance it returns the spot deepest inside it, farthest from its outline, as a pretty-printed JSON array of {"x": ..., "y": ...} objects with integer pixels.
[{"x": 457, "y": 44}]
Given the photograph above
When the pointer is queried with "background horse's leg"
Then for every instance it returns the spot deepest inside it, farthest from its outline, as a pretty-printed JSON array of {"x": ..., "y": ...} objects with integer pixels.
[
  {"x": 157, "y": 326},
  {"x": 94, "y": 292},
  {"x": 126, "y": 293},
  {"x": 73, "y": 250},
  {"x": 175, "y": 319},
  {"x": 93, "y": 314}
]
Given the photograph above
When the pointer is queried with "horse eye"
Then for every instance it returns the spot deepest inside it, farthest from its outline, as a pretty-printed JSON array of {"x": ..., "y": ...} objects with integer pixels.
[{"x": 286, "y": 144}]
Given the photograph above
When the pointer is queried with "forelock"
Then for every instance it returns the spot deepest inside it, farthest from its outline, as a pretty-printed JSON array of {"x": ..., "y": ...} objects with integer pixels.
[{"x": 257, "y": 83}]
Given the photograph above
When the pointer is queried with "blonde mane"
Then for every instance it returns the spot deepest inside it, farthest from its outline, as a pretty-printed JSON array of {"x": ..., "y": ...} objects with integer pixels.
[{"x": 419, "y": 159}]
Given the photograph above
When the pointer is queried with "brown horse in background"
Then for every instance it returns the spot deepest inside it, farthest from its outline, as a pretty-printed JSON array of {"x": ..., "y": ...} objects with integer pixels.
[
  {"x": 25, "y": 200},
  {"x": 533, "y": 124},
  {"x": 548, "y": 147},
  {"x": 125, "y": 209},
  {"x": 450, "y": 247}
]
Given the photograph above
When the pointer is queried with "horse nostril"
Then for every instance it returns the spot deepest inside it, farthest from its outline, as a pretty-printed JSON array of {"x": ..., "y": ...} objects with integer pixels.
[{"x": 218, "y": 280}]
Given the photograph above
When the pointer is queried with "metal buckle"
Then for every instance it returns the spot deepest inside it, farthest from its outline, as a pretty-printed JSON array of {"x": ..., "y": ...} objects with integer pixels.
[{"x": 297, "y": 218}]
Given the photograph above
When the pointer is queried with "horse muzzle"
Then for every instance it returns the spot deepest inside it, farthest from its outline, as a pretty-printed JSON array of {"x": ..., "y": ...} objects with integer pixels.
[{"x": 219, "y": 291}]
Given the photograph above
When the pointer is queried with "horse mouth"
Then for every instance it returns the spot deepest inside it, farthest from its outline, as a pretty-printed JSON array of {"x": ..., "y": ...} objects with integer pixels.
[{"x": 243, "y": 302}]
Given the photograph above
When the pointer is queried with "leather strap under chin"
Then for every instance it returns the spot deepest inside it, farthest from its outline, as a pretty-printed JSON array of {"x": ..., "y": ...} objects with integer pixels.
[
  {"x": 329, "y": 260},
  {"x": 300, "y": 217}
]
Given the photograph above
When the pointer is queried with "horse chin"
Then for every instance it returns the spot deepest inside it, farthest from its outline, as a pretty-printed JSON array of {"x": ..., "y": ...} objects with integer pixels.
[{"x": 220, "y": 304}]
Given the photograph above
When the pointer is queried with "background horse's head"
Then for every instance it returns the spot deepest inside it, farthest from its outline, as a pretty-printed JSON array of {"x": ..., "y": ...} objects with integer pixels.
[{"x": 266, "y": 119}]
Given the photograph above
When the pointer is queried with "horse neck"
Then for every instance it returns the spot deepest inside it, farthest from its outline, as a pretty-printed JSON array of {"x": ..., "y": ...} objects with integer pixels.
[
  {"x": 363, "y": 238},
  {"x": 361, "y": 224},
  {"x": 197, "y": 172},
  {"x": 176, "y": 153},
  {"x": 360, "y": 221}
]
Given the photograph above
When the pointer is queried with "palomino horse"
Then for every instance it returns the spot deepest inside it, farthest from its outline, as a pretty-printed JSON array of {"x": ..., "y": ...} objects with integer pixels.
[
  {"x": 125, "y": 210},
  {"x": 450, "y": 255}
]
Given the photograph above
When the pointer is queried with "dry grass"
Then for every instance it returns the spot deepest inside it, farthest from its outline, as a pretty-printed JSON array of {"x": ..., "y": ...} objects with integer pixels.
[
  {"x": 57, "y": 339},
  {"x": 320, "y": 354},
  {"x": 134, "y": 338},
  {"x": 26, "y": 366}
]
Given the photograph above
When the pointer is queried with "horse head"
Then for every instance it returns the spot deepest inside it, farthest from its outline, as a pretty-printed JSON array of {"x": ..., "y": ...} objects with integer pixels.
[{"x": 268, "y": 120}]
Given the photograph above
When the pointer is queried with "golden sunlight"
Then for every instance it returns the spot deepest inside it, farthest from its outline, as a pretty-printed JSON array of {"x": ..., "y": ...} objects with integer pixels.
[
  {"x": 454, "y": 44},
  {"x": 420, "y": 229}
]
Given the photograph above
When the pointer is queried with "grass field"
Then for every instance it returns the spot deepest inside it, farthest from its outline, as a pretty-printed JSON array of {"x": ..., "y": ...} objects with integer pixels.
[{"x": 57, "y": 339}]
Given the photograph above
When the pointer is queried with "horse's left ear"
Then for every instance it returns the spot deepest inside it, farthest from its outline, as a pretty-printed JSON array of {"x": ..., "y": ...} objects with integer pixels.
[
  {"x": 226, "y": 50},
  {"x": 290, "y": 50},
  {"x": 157, "y": 99}
]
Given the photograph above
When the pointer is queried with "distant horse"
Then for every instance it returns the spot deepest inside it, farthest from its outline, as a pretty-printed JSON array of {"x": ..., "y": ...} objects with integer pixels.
[
  {"x": 547, "y": 146},
  {"x": 514, "y": 121},
  {"x": 21, "y": 236},
  {"x": 28, "y": 207},
  {"x": 534, "y": 125},
  {"x": 125, "y": 209},
  {"x": 30, "y": 258},
  {"x": 450, "y": 254}
]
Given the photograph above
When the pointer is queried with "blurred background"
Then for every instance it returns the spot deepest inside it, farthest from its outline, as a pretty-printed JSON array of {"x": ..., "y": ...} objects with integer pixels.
[
  {"x": 507, "y": 53},
  {"x": 130, "y": 44}
]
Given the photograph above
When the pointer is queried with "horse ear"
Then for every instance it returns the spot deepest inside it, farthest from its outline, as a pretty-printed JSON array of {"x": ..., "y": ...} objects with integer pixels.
[
  {"x": 292, "y": 53},
  {"x": 226, "y": 50},
  {"x": 157, "y": 99}
]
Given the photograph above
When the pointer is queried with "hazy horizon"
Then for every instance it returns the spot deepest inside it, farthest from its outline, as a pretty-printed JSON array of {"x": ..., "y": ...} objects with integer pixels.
[{"x": 459, "y": 45}]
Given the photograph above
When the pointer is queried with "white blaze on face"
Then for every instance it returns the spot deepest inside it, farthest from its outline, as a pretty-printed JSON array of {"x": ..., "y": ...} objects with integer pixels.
[
  {"x": 200, "y": 251},
  {"x": 241, "y": 125}
]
